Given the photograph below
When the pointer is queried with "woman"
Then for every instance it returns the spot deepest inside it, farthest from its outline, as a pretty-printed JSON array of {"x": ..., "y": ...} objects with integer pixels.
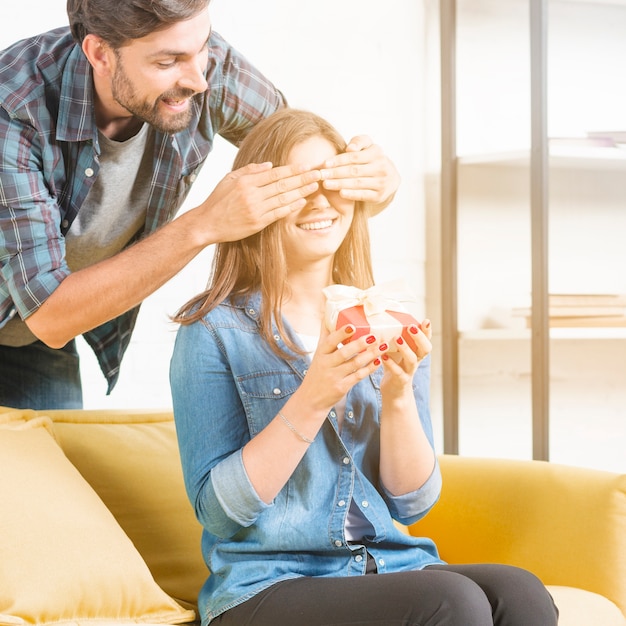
[{"x": 299, "y": 449}]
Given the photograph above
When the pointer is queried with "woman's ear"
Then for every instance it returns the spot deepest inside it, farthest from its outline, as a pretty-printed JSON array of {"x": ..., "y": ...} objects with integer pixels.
[{"x": 99, "y": 54}]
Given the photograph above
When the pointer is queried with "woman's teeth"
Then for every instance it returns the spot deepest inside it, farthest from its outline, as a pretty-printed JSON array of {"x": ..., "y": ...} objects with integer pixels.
[{"x": 316, "y": 225}]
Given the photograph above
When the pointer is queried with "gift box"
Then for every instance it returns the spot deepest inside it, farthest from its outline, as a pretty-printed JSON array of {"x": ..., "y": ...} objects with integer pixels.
[{"x": 386, "y": 311}]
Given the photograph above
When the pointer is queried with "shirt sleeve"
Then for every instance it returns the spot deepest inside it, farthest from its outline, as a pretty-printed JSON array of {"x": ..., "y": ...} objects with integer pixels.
[
  {"x": 410, "y": 507},
  {"x": 211, "y": 433},
  {"x": 32, "y": 249},
  {"x": 240, "y": 95}
]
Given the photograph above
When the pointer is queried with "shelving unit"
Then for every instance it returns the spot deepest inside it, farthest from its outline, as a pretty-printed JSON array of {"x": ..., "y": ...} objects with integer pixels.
[{"x": 550, "y": 211}]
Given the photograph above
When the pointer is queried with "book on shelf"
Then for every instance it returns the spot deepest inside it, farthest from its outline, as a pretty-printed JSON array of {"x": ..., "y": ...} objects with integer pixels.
[
  {"x": 587, "y": 299},
  {"x": 617, "y": 137},
  {"x": 596, "y": 321},
  {"x": 583, "y": 310}
]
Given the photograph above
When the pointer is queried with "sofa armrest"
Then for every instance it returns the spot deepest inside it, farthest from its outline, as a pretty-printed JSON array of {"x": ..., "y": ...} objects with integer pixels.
[{"x": 565, "y": 524}]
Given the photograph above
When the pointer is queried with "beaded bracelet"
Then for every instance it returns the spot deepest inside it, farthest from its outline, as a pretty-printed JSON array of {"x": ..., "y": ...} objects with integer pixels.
[{"x": 294, "y": 430}]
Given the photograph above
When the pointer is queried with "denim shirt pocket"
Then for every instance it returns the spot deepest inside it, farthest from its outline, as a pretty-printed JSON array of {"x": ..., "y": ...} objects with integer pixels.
[{"x": 264, "y": 393}]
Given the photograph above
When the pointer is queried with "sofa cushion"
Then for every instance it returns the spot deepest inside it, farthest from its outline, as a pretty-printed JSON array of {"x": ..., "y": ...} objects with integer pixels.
[
  {"x": 131, "y": 460},
  {"x": 65, "y": 559},
  {"x": 578, "y": 607}
]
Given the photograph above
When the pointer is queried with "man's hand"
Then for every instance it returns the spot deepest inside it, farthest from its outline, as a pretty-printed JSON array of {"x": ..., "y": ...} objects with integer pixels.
[
  {"x": 363, "y": 172},
  {"x": 248, "y": 199}
]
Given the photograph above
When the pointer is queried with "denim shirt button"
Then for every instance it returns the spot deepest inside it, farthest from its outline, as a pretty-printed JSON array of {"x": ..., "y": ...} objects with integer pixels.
[
  {"x": 251, "y": 311},
  {"x": 350, "y": 415},
  {"x": 333, "y": 414},
  {"x": 365, "y": 504},
  {"x": 381, "y": 562},
  {"x": 358, "y": 558},
  {"x": 346, "y": 460},
  {"x": 338, "y": 543},
  {"x": 277, "y": 337},
  {"x": 341, "y": 503},
  {"x": 89, "y": 172},
  {"x": 276, "y": 391}
]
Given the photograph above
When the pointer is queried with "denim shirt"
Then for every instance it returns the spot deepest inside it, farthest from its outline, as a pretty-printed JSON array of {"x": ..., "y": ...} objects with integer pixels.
[{"x": 227, "y": 385}]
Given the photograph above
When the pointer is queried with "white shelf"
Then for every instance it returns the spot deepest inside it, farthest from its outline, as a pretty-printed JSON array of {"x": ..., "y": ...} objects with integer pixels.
[{"x": 562, "y": 157}]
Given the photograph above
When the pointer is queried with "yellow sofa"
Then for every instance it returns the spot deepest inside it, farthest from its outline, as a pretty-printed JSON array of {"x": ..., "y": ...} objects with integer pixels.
[{"x": 96, "y": 527}]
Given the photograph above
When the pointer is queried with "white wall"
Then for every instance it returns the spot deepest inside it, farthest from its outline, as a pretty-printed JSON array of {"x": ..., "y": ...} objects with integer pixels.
[{"x": 357, "y": 62}]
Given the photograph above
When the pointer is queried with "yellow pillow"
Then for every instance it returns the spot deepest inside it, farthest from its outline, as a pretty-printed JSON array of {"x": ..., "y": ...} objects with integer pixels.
[
  {"x": 131, "y": 459},
  {"x": 64, "y": 558}
]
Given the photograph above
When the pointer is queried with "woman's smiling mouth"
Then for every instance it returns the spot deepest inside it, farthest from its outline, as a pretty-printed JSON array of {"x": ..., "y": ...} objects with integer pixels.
[{"x": 316, "y": 225}]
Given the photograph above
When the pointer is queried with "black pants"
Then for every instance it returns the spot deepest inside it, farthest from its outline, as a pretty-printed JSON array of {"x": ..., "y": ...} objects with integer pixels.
[{"x": 442, "y": 595}]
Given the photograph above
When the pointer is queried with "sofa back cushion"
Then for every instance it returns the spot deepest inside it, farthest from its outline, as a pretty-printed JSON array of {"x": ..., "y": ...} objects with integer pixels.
[
  {"x": 565, "y": 524},
  {"x": 64, "y": 558},
  {"x": 131, "y": 460}
]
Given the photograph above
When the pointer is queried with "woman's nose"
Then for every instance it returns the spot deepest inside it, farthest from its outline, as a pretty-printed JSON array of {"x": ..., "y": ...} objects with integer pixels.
[{"x": 318, "y": 200}]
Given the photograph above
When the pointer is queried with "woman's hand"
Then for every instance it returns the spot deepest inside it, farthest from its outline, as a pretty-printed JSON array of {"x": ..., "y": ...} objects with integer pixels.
[
  {"x": 362, "y": 173},
  {"x": 400, "y": 366},
  {"x": 337, "y": 366}
]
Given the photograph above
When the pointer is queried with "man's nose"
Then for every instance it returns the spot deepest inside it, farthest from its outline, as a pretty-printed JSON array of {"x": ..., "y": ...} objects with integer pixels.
[{"x": 194, "y": 78}]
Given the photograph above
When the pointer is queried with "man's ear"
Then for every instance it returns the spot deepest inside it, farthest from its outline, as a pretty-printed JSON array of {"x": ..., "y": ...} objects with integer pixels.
[{"x": 99, "y": 54}]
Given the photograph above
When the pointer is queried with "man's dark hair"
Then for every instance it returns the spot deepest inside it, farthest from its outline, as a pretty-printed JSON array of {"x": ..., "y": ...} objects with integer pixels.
[{"x": 118, "y": 21}]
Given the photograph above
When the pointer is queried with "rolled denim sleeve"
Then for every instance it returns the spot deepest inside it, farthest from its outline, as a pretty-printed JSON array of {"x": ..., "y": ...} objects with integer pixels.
[
  {"x": 234, "y": 491},
  {"x": 410, "y": 507}
]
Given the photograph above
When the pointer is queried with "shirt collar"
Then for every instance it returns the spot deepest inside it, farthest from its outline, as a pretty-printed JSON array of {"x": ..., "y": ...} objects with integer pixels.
[{"x": 76, "y": 120}]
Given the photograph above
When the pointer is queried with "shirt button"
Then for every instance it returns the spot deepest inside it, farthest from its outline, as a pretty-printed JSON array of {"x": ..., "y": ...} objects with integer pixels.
[
  {"x": 346, "y": 460},
  {"x": 338, "y": 543},
  {"x": 333, "y": 414},
  {"x": 365, "y": 504},
  {"x": 381, "y": 562},
  {"x": 358, "y": 558},
  {"x": 252, "y": 311},
  {"x": 341, "y": 503},
  {"x": 276, "y": 391},
  {"x": 89, "y": 172},
  {"x": 350, "y": 415},
  {"x": 305, "y": 372},
  {"x": 65, "y": 223},
  {"x": 277, "y": 337}
]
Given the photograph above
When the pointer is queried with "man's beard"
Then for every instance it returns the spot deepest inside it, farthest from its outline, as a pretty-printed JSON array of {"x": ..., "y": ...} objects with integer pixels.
[{"x": 124, "y": 94}]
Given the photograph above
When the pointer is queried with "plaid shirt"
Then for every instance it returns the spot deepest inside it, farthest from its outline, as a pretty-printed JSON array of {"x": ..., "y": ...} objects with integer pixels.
[{"x": 49, "y": 160}]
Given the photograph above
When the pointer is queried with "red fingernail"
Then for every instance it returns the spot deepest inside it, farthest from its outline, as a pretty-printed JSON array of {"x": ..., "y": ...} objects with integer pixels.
[
  {"x": 350, "y": 329},
  {"x": 377, "y": 361},
  {"x": 371, "y": 339},
  {"x": 399, "y": 341},
  {"x": 383, "y": 346},
  {"x": 414, "y": 329},
  {"x": 385, "y": 357}
]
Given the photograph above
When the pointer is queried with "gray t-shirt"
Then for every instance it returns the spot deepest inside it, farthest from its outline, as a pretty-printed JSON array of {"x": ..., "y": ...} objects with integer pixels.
[{"x": 113, "y": 212}]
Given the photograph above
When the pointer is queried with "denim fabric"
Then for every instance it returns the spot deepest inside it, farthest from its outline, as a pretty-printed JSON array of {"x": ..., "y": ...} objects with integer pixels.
[
  {"x": 227, "y": 385},
  {"x": 40, "y": 378}
]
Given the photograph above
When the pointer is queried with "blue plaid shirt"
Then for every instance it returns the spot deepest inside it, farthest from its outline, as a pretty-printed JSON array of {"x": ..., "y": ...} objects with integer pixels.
[{"x": 49, "y": 160}]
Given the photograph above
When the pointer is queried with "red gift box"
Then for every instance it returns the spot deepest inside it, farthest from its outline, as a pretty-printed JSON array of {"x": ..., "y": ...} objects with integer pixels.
[{"x": 380, "y": 311}]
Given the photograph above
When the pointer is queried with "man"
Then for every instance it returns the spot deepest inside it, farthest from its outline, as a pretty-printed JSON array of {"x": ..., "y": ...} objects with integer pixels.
[{"x": 103, "y": 129}]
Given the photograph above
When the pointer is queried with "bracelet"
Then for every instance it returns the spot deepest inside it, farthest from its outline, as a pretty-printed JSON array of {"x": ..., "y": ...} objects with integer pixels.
[{"x": 294, "y": 430}]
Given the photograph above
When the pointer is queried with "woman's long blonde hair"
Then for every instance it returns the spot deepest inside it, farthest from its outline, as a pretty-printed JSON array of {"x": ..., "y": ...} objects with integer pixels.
[{"x": 258, "y": 262}]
